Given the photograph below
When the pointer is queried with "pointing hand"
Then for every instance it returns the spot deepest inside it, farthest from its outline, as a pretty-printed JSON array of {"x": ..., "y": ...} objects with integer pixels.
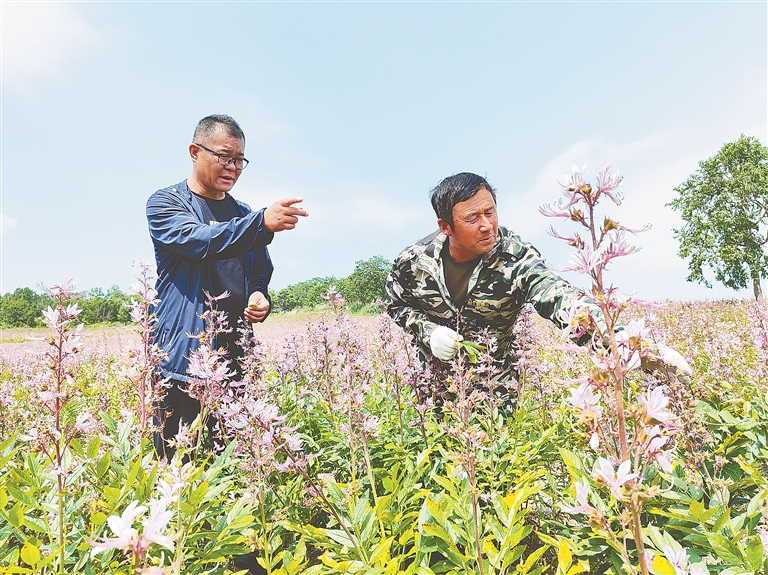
[{"x": 282, "y": 215}]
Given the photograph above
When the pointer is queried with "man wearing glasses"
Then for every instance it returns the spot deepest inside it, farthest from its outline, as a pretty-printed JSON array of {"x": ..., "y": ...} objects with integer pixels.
[{"x": 207, "y": 241}]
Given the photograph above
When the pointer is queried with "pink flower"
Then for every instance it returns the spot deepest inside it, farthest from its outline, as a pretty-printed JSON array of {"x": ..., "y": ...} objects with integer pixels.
[
  {"x": 29, "y": 436},
  {"x": 614, "y": 479},
  {"x": 293, "y": 441},
  {"x": 122, "y": 527},
  {"x": 585, "y": 260},
  {"x": 583, "y": 398},
  {"x": 581, "y": 498},
  {"x": 154, "y": 525},
  {"x": 576, "y": 181},
  {"x": 655, "y": 403},
  {"x": 607, "y": 182},
  {"x": 84, "y": 421}
]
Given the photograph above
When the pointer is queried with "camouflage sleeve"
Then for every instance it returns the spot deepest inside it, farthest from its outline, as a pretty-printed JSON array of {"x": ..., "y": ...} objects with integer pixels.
[
  {"x": 404, "y": 307},
  {"x": 553, "y": 297}
]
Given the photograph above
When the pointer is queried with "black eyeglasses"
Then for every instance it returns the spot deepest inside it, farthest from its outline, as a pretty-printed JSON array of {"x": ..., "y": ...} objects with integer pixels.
[{"x": 225, "y": 160}]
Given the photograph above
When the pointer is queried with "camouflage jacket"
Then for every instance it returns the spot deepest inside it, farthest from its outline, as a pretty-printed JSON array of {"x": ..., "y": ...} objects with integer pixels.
[{"x": 512, "y": 274}]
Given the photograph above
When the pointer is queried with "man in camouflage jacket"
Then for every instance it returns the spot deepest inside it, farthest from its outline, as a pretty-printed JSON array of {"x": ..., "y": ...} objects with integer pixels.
[
  {"x": 473, "y": 275},
  {"x": 507, "y": 273}
]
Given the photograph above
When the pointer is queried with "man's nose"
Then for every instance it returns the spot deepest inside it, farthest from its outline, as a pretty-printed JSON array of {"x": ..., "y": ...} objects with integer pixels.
[{"x": 485, "y": 222}]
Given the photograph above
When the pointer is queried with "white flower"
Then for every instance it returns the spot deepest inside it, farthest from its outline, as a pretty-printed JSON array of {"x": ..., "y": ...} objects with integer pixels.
[
  {"x": 29, "y": 436},
  {"x": 655, "y": 403},
  {"x": 614, "y": 479},
  {"x": 158, "y": 519},
  {"x": 122, "y": 527}
]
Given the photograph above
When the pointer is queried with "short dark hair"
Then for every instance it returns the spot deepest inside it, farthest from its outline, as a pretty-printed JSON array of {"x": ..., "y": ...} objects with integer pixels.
[
  {"x": 206, "y": 128},
  {"x": 455, "y": 189}
]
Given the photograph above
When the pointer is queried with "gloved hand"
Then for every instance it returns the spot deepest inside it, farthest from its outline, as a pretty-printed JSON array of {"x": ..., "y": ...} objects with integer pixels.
[
  {"x": 444, "y": 343},
  {"x": 668, "y": 361}
]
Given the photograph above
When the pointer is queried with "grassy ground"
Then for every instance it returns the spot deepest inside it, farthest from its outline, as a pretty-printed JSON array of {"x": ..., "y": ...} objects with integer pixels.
[{"x": 118, "y": 338}]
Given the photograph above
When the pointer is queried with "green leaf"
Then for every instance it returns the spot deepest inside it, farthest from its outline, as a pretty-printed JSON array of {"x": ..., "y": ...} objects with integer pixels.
[
  {"x": 93, "y": 448},
  {"x": 102, "y": 465},
  {"x": 99, "y": 518},
  {"x": 16, "y": 515},
  {"x": 725, "y": 549},
  {"x": 660, "y": 566},
  {"x": 112, "y": 494},
  {"x": 755, "y": 553},
  {"x": 30, "y": 554},
  {"x": 199, "y": 492}
]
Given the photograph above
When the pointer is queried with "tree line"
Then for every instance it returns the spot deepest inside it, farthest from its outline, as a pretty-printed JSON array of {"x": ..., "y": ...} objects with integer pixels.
[{"x": 24, "y": 306}]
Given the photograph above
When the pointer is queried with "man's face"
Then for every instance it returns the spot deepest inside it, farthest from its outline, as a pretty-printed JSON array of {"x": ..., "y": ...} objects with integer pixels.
[
  {"x": 475, "y": 224},
  {"x": 213, "y": 178}
]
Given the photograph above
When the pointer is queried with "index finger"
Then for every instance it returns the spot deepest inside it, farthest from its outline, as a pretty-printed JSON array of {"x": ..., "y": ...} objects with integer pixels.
[{"x": 287, "y": 202}]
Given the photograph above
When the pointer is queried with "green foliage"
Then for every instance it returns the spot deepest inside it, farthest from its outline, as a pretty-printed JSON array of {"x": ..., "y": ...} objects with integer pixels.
[
  {"x": 361, "y": 289},
  {"x": 110, "y": 307},
  {"x": 105, "y": 475},
  {"x": 399, "y": 501},
  {"x": 23, "y": 308},
  {"x": 725, "y": 208},
  {"x": 367, "y": 282},
  {"x": 307, "y": 294}
]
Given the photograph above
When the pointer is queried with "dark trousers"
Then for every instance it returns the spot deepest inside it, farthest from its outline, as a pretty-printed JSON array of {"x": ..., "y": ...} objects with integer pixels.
[{"x": 176, "y": 407}]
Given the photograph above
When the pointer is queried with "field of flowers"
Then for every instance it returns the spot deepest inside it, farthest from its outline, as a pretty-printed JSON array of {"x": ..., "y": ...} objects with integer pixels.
[{"x": 337, "y": 460}]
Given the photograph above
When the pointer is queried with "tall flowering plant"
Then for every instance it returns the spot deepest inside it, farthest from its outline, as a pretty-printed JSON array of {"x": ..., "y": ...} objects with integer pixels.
[
  {"x": 141, "y": 371},
  {"x": 630, "y": 435}
]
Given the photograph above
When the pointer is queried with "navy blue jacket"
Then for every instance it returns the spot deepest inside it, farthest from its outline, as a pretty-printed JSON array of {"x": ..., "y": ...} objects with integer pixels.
[{"x": 185, "y": 249}]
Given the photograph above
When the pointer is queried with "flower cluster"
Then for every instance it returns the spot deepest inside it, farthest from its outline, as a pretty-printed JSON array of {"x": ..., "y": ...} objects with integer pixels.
[{"x": 137, "y": 542}]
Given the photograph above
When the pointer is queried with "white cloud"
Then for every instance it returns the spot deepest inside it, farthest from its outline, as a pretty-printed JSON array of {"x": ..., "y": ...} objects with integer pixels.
[
  {"x": 7, "y": 224},
  {"x": 38, "y": 37}
]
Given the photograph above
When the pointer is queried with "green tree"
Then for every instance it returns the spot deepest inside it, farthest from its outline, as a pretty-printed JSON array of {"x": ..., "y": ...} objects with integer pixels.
[
  {"x": 110, "y": 307},
  {"x": 306, "y": 294},
  {"x": 23, "y": 308},
  {"x": 725, "y": 208},
  {"x": 367, "y": 282}
]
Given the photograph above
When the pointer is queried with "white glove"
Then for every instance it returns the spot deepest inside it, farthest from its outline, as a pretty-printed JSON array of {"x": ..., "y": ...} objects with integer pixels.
[
  {"x": 669, "y": 361},
  {"x": 673, "y": 359},
  {"x": 444, "y": 343}
]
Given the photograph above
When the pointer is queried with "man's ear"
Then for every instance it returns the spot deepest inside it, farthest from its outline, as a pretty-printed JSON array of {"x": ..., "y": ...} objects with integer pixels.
[
  {"x": 193, "y": 152},
  {"x": 445, "y": 227}
]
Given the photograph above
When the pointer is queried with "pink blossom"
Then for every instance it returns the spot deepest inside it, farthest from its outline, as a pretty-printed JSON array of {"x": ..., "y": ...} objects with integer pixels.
[
  {"x": 618, "y": 246},
  {"x": 585, "y": 260},
  {"x": 655, "y": 403},
  {"x": 764, "y": 539},
  {"x": 122, "y": 527},
  {"x": 293, "y": 441},
  {"x": 614, "y": 479},
  {"x": 581, "y": 498},
  {"x": 583, "y": 399},
  {"x": 84, "y": 422},
  {"x": 607, "y": 182},
  {"x": 154, "y": 525},
  {"x": 575, "y": 181},
  {"x": 679, "y": 560},
  {"x": 31, "y": 435}
]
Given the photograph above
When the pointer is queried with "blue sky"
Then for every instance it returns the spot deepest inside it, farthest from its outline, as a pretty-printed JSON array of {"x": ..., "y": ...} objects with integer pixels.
[{"x": 361, "y": 108}]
